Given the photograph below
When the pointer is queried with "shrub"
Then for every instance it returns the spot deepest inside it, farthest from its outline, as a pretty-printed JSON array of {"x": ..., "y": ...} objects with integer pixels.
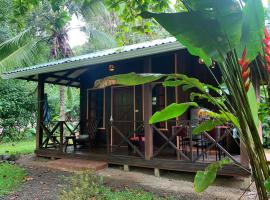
[
  {"x": 89, "y": 186},
  {"x": 82, "y": 186}
]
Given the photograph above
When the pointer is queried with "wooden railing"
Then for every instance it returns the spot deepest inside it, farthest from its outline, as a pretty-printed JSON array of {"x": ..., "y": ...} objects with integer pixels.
[
  {"x": 205, "y": 142},
  {"x": 54, "y": 132},
  {"x": 126, "y": 137}
]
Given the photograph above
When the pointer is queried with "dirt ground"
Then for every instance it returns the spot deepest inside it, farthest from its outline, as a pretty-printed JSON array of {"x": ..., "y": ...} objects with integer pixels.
[{"x": 44, "y": 183}]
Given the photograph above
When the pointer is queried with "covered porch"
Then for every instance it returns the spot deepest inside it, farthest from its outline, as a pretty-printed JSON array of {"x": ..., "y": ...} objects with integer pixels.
[{"x": 113, "y": 122}]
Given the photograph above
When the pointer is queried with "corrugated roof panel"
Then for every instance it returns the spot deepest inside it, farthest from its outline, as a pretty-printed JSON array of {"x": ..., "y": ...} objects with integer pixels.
[{"x": 126, "y": 52}]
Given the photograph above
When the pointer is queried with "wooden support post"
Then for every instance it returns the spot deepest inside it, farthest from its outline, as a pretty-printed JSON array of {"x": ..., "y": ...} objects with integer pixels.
[
  {"x": 61, "y": 135},
  {"x": 83, "y": 107},
  {"x": 147, "y": 113},
  {"x": 107, "y": 118},
  {"x": 126, "y": 168},
  {"x": 156, "y": 172},
  {"x": 39, "y": 131},
  {"x": 181, "y": 66}
]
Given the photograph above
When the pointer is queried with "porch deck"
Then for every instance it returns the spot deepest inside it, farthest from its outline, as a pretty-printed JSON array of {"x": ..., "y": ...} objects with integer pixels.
[{"x": 100, "y": 154}]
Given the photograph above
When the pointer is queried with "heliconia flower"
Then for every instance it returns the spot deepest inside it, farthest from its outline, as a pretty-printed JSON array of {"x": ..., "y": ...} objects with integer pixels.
[
  {"x": 266, "y": 42},
  {"x": 245, "y": 75},
  {"x": 245, "y": 70}
]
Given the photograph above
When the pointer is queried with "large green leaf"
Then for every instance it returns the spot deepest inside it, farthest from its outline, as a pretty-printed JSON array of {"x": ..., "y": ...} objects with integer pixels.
[
  {"x": 267, "y": 185},
  {"x": 252, "y": 30},
  {"x": 172, "y": 111},
  {"x": 129, "y": 79},
  {"x": 186, "y": 82},
  {"x": 215, "y": 101},
  {"x": 206, "y": 126},
  {"x": 253, "y": 104},
  {"x": 206, "y": 32},
  {"x": 225, "y": 117},
  {"x": 204, "y": 179}
]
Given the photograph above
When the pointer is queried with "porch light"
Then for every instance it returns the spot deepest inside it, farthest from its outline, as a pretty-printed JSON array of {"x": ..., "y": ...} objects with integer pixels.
[
  {"x": 111, "y": 68},
  {"x": 213, "y": 64},
  {"x": 200, "y": 61}
]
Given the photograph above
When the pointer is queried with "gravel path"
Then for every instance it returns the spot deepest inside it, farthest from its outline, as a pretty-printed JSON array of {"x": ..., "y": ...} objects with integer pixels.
[{"x": 175, "y": 184}]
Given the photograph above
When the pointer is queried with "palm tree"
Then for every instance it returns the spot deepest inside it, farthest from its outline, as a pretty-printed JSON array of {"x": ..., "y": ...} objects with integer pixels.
[{"x": 47, "y": 37}]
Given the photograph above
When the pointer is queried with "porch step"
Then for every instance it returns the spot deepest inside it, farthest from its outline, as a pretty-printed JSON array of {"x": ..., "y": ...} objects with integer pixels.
[{"x": 66, "y": 164}]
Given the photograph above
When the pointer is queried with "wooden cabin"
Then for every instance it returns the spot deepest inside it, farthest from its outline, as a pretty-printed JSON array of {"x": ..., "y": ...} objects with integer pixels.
[{"x": 113, "y": 125}]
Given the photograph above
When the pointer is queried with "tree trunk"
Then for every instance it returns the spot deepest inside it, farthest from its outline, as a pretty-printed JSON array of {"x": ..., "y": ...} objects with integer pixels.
[{"x": 62, "y": 103}]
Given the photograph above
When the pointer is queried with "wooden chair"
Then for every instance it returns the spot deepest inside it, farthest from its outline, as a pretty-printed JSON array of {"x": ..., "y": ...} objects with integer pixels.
[
  {"x": 91, "y": 129},
  {"x": 66, "y": 142},
  {"x": 138, "y": 140},
  {"x": 84, "y": 139}
]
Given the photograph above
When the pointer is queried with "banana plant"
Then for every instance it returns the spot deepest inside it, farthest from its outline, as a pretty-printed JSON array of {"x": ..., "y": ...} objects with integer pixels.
[
  {"x": 231, "y": 34},
  {"x": 208, "y": 92}
]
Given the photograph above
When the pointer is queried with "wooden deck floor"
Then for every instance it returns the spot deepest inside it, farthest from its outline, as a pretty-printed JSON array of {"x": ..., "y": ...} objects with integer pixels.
[{"x": 100, "y": 154}]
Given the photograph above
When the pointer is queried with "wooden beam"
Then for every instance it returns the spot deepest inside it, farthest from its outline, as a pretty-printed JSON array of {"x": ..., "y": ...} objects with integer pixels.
[
  {"x": 66, "y": 74},
  {"x": 60, "y": 78},
  {"x": 51, "y": 82},
  {"x": 147, "y": 112},
  {"x": 39, "y": 131},
  {"x": 83, "y": 107}
]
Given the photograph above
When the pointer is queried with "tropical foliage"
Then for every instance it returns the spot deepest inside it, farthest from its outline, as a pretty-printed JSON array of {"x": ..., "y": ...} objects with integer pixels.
[
  {"x": 235, "y": 39},
  {"x": 17, "y": 109}
]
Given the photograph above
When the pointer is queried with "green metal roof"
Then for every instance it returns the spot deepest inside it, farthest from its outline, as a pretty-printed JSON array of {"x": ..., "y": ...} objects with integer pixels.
[{"x": 106, "y": 56}]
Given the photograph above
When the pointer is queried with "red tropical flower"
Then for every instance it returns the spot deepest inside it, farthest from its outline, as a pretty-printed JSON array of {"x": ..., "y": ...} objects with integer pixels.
[
  {"x": 245, "y": 70},
  {"x": 266, "y": 42}
]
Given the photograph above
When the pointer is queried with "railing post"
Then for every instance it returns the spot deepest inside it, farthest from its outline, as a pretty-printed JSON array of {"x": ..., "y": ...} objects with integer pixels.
[
  {"x": 39, "y": 131},
  {"x": 61, "y": 134}
]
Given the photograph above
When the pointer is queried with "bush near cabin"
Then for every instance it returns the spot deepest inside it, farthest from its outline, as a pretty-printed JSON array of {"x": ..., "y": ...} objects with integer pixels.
[{"x": 17, "y": 109}]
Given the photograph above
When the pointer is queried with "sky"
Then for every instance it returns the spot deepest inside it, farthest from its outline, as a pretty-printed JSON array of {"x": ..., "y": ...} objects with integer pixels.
[{"x": 78, "y": 37}]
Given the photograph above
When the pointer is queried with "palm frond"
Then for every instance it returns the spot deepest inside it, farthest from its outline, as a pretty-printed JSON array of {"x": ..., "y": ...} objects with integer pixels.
[
  {"x": 100, "y": 40},
  {"x": 21, "y": 56},
  {"x": 93, "y": 8},
  {"x": 16, "y": 40}
]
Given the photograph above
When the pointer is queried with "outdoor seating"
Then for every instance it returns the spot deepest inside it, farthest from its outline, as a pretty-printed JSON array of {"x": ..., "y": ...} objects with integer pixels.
[{"x": 138, "y": 140}]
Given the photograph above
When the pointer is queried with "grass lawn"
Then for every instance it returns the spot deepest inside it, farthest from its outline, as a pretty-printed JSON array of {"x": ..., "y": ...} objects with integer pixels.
[
  {"x": 11, "y": 176},
  {"x": 22, "y": 147}
]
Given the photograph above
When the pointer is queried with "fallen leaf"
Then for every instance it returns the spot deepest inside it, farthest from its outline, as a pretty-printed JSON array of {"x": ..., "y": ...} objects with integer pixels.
[{"x": 28, "y": 178}]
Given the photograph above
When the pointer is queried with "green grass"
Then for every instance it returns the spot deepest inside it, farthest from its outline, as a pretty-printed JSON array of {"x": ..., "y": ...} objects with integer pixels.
[
  {"x": 21, "y": 147},
  {"x": 110, "y": 194},
  {"x": 11, "y": 176}
]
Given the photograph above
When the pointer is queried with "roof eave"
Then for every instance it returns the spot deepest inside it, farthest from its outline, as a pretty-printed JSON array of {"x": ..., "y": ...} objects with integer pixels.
[{"x": 98, "y": 60}]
